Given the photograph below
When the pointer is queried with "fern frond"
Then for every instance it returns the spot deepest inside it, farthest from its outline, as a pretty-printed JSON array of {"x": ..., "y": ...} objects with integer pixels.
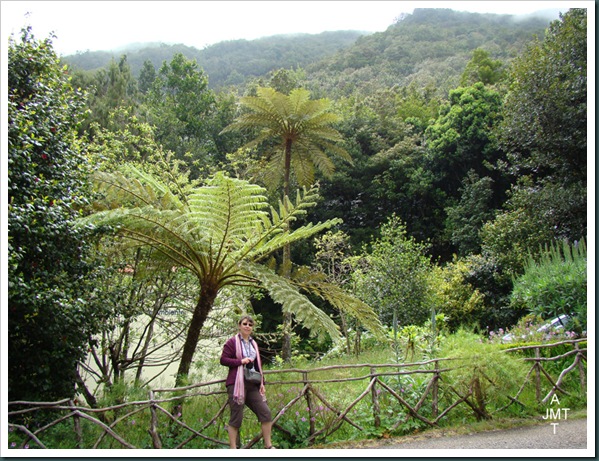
[
  {"x": 228, "y": 209},
  {"x": 132, "y": 187},
  {"x": 316, "y": 284},
  {"x": 303, "y": 167},
  {"x": 354, "y": 307},
  {"x": 305, "y": 312}
]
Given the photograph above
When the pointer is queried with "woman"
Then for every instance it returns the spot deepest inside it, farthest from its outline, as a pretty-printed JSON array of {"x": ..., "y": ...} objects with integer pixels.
[{"x": 242, "y": 351}]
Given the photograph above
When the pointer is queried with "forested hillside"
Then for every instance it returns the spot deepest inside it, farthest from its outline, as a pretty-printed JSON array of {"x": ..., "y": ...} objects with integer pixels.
[
  {"x": 230, "y": 62},
  {"x": 430, "y": 46},
  {"x": 419, "y": 180}
]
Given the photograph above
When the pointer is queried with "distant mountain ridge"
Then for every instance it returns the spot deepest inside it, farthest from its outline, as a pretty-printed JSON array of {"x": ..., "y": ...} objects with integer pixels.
[
  {"x": 431, "y": 46},
  {"x": 228, "y": 62}
]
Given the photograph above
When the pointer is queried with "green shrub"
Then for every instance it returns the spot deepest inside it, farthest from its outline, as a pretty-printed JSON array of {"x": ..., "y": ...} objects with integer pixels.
[{"x": 555, "y": 284}]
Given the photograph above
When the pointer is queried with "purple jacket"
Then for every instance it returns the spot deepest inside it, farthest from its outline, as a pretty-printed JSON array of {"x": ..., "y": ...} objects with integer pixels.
[{"x": 229, "y": 359}]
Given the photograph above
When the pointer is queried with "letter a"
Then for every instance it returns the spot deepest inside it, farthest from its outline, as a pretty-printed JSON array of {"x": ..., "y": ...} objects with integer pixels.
[{"x": 554, "y": 399}]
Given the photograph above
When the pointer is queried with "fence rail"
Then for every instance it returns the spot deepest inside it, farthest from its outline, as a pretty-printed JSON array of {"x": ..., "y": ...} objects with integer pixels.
[{"x": 162, "y": 420}]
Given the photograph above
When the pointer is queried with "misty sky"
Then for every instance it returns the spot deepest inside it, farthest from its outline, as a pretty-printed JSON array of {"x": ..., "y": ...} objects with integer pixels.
[{"x": 105, "y": 25}]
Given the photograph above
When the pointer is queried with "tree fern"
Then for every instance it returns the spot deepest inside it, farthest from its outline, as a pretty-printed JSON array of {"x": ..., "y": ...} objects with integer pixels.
[
  {"x": 219, "y": 231},
  {"x": 301, "y": 129}
]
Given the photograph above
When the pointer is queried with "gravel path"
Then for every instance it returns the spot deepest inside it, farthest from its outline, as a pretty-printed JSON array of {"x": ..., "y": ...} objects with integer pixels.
[{"x": 567, "y": 434}]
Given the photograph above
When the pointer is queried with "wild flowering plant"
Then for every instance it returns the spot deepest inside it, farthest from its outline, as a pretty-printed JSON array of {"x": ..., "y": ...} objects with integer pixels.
[{"x": 531, "y": 328}]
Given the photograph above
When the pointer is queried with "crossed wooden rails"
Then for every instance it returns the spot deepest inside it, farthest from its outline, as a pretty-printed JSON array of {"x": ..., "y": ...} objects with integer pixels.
[{"x": 309, "y": 391}]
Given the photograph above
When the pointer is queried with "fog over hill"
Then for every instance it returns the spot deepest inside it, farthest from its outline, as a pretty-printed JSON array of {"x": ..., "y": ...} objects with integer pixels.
[
  {"x": 228, "y": 62},
  {"x": 434, "y": 43}
]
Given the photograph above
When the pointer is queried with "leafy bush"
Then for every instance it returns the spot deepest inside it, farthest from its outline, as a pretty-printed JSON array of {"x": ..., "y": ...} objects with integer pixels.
[
  {"x": 555, "y": 284},
  {"x": 55, "y": 304},
  {"x": 455, "y": 296},
  {"x": 393, "y": 276}
]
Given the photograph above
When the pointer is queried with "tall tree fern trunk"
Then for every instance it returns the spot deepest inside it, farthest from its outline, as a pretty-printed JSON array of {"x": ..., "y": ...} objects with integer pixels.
[
  {"x": 287, "y": 317},
  {"x": 200, "y": 313},
  {"x": 286, "y": 265}
]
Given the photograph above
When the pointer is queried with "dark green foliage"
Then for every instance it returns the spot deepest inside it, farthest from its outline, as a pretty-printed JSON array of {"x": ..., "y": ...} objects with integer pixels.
[
  {"x": 51, "y": 310},
  {"x": 488, "y": 276},
  {"x": 179, "y": 104},
  {"x": 545, "y": 113},
  {"x": 466, "y": 218},
  {"x": 461, "y": 139},
  {"x": 147, "y": 75},
  {"x": 544, "y": 134},
  {"x": 111, "y": 88}
]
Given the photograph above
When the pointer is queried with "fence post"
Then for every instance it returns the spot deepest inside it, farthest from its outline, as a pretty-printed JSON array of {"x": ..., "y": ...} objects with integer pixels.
[
  {"x": 156, "y": 442},
  {"x": 583, "y": 384},
  {"x": 309, "y": 404},
  {"x": 76, "y": 423},
  {"x": 376, "y": 408},
  {"x": 538, "y": 373},
  {"x": 435, "y": 390}
]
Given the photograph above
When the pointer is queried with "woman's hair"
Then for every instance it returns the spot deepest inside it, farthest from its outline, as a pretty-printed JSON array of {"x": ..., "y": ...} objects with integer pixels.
[{"x": 246, "y": 317}]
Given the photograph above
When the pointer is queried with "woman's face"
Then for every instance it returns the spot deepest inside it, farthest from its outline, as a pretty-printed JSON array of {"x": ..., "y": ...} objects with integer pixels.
[{"x": 246, "y": 326}]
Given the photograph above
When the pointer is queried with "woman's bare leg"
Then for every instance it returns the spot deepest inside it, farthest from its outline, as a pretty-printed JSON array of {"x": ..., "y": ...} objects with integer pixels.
[
  {"x": 233, "y": 433},
  {"x": 266, "y": 431}
]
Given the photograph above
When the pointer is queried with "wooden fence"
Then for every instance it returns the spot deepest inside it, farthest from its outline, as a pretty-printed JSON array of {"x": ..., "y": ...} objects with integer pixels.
[{"x": 160, "y": 419}]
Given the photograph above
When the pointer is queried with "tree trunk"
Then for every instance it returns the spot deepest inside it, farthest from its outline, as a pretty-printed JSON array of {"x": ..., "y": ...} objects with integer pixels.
[
  {"x": 200, "y": 313},
  {"x": 345, "y": 333},
  {"x": 144, "y": 351},
  {"x": 286, "y": 264}
]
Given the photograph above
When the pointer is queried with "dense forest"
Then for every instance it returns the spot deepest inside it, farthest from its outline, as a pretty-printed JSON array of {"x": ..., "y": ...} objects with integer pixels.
[{"x": 337, "y": 186}]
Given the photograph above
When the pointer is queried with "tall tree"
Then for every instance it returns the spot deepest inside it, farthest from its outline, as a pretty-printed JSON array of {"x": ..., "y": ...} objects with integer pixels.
[
  {"x": 147, "y": 75},
  {"x": 50, "y": 296},
  {"x": 544, "y": 134},
  {"x": 220, "y": 232},
  {"x": 462, "y": 143},
  {"x": 179, "y": 104},
  {"x": 545, "y": 113},
  {"x": 111, "y": 88},
  {"x": 393, "y": 275},
  {"x": 462, "y": 138},
  {"x": 298, "y": 134},
  {"x": 481, "y": 68}
]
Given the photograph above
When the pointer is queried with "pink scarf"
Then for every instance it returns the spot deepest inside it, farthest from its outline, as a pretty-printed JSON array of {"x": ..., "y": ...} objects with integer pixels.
[{"x": 239, "y": 389}]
